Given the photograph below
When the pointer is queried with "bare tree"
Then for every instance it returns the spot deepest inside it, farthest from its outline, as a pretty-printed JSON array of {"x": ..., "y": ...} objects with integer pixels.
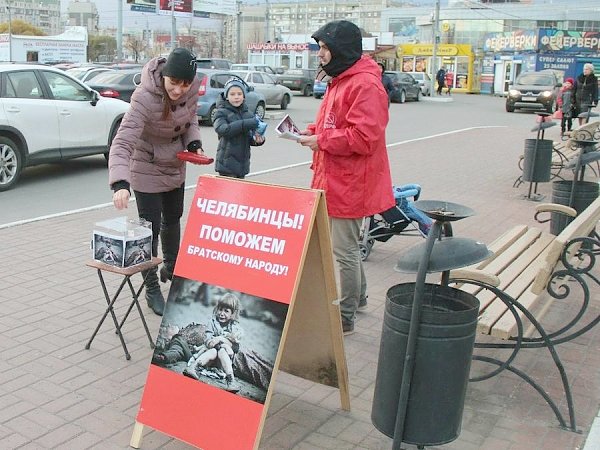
[{"x": 136, "y": 46}]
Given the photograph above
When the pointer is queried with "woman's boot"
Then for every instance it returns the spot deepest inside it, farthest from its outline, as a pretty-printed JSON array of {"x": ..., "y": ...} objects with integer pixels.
[
  {"x": 169, "y": 238},
  {"x": 154, "y": 296}
]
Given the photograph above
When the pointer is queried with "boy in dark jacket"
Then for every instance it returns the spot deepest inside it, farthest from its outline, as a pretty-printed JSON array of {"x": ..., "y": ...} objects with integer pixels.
[{"x": 237, "y": 129}]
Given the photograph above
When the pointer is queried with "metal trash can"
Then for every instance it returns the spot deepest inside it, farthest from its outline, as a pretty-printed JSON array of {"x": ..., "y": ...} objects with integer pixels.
[
  {"x": 585, "y": 194},
  {"x": 442, "y": 363},
  {"x": 537, "y": 169}
]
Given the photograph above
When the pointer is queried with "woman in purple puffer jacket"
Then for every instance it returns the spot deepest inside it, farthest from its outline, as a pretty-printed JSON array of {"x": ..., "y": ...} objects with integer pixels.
[{"x": 161, "y": 122}]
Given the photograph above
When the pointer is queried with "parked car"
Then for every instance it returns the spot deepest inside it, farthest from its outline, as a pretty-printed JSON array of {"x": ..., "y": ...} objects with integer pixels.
[
  {"x": 258, "y": 67},
  {"x": 319, "y": 88},
  {"x": 275, "y": 94},
  {"x": 213, "y": 63},
  {"x": 299, "y": 80},
  {"x": 84, "y": 74},
  {"x": 117, "y": 84},
  {"x": 406, "y": 87},
  {"x": 424, "y": 82},
  {"x": 534, "y": 91},
  {"x": 47, "y": 116},
  {"x": 212, "y": 84}
]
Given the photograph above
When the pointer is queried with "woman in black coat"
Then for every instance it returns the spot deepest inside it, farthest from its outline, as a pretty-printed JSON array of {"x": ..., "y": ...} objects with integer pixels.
[{"x": 586, "y": 91}]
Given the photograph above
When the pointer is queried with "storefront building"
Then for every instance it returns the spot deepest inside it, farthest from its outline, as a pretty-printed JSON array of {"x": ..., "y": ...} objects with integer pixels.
[
  {"x": 458, "y": 59},
  {"x": 510, "y": 53}
]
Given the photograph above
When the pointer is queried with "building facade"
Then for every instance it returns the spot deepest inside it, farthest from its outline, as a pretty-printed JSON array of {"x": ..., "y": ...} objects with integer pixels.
[{"x": 43, "y": 14}]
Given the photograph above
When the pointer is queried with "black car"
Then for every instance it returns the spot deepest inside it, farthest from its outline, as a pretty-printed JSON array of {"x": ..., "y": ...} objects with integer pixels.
[
  {"x": 118, "y": 84},
  {"x": 536, "y": 91},
  {"x": 299, "y": 80},
  {"x": 405, "y": 87}
]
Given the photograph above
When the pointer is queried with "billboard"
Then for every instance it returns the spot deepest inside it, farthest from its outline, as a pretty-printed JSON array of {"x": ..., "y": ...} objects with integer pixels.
[{"x": 185, "y": 8}]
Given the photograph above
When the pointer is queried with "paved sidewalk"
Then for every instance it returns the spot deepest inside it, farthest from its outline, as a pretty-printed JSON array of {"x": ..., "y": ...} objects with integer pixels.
[{"x": 56, "y": 394}]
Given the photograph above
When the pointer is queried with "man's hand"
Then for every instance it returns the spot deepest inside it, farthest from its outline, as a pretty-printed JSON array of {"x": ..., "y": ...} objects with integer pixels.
[{"x": 309, "y": 141}]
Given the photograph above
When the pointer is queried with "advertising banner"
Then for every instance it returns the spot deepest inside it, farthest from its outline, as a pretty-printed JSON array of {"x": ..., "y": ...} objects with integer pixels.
[
  {"x": 231, "y": 309},
  {"x": 552, "y": 40},
  {"x": 510, "y": 41}
]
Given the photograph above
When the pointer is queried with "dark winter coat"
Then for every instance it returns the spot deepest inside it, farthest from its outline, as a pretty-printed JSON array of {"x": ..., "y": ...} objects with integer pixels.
[
  {"x": 586, "y": 91},
  {"x": 144, "y": 151},
  {"x": 441, "y": 77},
  {"x": 234, "y": 126}
]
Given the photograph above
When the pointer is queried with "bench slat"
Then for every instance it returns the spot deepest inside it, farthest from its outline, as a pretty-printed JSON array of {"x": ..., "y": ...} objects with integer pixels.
[
  {"x": 582, "y": 225},
  {"x": 514, "y": 281},
  {"x": 506, "y": 248}
]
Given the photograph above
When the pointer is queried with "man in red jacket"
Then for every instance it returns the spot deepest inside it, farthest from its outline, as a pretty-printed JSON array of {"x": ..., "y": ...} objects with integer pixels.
[{"x": 350, "y": 161}]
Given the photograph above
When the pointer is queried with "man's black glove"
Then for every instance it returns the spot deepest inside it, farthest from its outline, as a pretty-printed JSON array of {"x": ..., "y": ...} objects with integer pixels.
[{"x": 194, "y": 146}]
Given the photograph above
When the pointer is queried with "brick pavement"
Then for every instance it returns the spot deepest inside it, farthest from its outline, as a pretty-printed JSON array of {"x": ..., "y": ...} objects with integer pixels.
[{"x": 56, "y": 394}]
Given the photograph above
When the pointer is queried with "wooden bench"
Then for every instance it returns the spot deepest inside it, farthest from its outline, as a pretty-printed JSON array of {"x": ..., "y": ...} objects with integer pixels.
[{"x": 511, "y": 287}]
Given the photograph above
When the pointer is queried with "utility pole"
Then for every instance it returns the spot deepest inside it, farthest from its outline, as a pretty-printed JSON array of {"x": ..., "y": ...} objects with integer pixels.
[
  {"x": 436, "y": 26},
  {"x": 119, "y": 31},
  {"x": 9, "y": 31},
  {"x": 238, "y": 30},
  {"x": 173, "y": 27},
  {"x": 267, "y": 22}
]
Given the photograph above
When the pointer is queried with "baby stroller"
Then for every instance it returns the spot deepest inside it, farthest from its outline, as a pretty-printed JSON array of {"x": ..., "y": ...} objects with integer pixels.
[{"x": 404, "y": 217}]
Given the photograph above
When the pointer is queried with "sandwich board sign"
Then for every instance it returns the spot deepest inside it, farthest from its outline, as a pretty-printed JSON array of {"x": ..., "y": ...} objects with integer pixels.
[{"x": 253, "y": 292}]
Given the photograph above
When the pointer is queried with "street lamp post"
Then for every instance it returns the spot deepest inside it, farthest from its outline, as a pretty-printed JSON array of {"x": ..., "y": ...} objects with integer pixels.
[
  {"x": 173, "y": 27},
  {"x": 436, "y": 24},
  {"x": 119, "y": 31},
  {"x": 238, "y": 26},
  {"x": 9, "y": 31}
]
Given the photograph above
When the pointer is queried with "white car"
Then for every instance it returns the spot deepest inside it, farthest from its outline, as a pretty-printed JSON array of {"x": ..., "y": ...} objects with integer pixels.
[
  {"x": 86, "y": 73},
  {"x": 258, "y": 67},
  {"x": 424, "y": 82},
  {"x": 47, "y": 116},
  {"x": 275, "y": 94}
]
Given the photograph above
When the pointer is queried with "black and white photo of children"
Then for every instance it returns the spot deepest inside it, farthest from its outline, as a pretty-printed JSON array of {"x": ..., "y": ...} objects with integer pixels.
[
  {"x": 221, "y": 337},
  {"x": 108, "y": 249},
  {"x": 138, "y": 251}
]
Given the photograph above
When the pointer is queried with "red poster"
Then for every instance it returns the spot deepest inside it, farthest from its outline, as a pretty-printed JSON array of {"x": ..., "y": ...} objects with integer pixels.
[
  {"x": 180, "y": 7},
  {"x": 236, "y": 273}
]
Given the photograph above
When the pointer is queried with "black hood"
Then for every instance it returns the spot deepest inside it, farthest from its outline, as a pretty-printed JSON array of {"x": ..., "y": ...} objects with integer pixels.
[{"x": 344, "y": 41}]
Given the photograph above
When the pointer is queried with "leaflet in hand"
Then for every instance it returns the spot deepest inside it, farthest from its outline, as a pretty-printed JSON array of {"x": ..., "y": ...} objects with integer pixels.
[{"x": 287, "y": 129}]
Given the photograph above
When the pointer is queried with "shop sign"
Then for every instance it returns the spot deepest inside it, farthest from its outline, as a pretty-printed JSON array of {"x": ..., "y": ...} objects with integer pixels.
[
  {"x": 569, "y": 41},
  {"x": 277, "y": 46},
  {"x": 510, "y": 41}
]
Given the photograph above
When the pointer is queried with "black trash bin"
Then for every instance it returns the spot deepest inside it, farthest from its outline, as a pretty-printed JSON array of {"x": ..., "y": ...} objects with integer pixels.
[
  {"x": 537, "y": 169},
  {"x": 441, "y": 367},
  {"x": 585, "y": 194}
]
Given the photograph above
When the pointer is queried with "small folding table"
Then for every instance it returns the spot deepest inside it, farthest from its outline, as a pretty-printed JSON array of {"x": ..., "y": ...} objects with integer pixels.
[{"x": 127, "y": 273}]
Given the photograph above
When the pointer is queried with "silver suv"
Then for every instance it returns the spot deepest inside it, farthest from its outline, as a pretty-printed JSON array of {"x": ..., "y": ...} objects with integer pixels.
[
  {"x": 534, "y": 91},
  {"x": 47, "y": 116}
]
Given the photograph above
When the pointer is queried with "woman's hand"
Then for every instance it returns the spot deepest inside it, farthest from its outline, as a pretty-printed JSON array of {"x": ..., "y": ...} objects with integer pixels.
[
  {"x": 258, "y": 138},
  {"x": 121, "y": 198}
]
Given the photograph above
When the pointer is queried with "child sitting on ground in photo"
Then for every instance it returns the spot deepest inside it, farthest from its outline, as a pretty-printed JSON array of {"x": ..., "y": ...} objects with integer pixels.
[{"x": 222, "y": 341}]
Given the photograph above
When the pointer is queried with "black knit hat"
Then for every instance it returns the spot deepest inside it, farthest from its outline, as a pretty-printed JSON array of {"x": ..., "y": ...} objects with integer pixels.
[{"x": 181, "y": 64}]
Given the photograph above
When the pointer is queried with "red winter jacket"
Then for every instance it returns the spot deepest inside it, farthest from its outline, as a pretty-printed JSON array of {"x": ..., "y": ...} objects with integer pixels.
[{"x": 352, "y": 165}]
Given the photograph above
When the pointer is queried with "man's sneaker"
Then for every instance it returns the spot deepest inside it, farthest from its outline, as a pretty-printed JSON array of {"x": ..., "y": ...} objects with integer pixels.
[
  {"x": 347, "y": 327},
  {"x": 362, "y": 304}
]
